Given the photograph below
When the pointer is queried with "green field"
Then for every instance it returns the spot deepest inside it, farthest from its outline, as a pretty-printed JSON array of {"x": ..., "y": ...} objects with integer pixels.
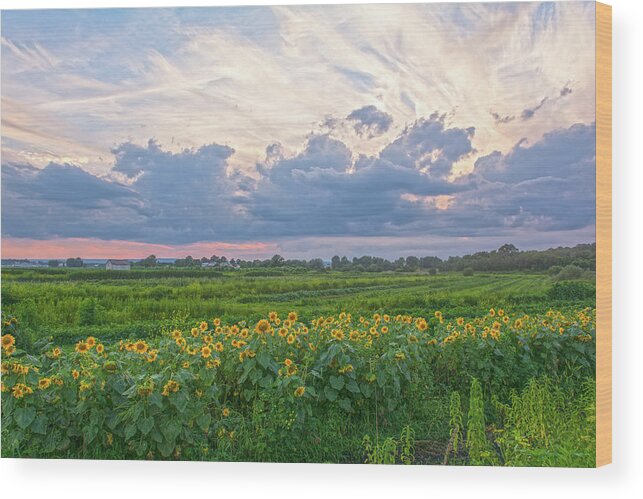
[
  {"x": 299, "y": 366},
  {"x": 76, "y": 303}
]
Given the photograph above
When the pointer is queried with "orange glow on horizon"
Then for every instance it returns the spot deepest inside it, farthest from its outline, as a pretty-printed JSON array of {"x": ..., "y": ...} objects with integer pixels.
[{"x": 100, "y": 249}]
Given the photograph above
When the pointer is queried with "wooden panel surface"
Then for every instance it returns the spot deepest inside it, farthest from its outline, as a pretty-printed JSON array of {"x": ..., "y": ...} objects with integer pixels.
[{"x": 603, "y": 234}]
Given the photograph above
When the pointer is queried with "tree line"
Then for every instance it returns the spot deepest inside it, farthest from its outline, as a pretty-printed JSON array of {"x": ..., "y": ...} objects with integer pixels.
[{"x": 506, "y": 258}]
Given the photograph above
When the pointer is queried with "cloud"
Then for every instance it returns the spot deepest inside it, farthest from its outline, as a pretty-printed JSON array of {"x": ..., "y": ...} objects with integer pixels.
[
  {"x": 322, "y": 191},
  {"x": 65, "y": 201},
  {"x": 530, "y": 112},
  {"x": 429, "y": 145},
  {"x": 370, "y": 121},
  {"x": 164, "y": 197},
  {"x": 253, "y": 76},
  {"x": 252, "y": 83},
  {"x": 549, "y": 185},
  {"x": 325, "y": 190}
]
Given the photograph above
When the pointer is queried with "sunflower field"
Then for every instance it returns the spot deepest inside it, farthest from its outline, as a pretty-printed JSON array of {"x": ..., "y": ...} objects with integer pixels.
[{"x": 500, "y": 389}]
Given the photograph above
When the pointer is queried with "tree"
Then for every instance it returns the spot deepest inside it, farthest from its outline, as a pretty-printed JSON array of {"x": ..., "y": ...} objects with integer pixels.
[
  {"x": 412, "y": 262},
  {"x": 334, "y": 262},
  {"x": 277, "y": 261},
  {"x": 74, "y": 262},
  {"x": 316, "y": 264},
  {"x": 507, "y": 249},
  {"x": 53, "y": 263},
  {"x": 149, "y": 261}
]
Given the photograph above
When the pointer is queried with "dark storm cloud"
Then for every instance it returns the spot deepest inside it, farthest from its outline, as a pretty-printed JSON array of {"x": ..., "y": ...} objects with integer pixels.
[
  {"x": 549, "y": 185},
  {"x": 187, "y": 196},
  {"x": 369, "y": 121},
  {"x": 65, "y": 201},
  {"x": 177, "y": 198},
  {"x": 324, "y": 190}
]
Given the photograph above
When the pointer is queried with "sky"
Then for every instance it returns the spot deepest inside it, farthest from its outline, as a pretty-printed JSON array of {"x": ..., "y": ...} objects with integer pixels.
[{"x": 388, "y": 130}]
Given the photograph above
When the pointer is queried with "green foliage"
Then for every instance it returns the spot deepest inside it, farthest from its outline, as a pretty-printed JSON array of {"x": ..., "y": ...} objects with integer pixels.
[
  {"x": 403, "y": 386},
  {"x": 455, "y": 428},
  {"x": 572, "y": 290},
  {"x": 390, "y": 451},
  {"x": 544, "y": 426},
  {"x": 305, "y": 394},
  {"x": 570, "y": 272},
  {"x": 87, "y": 312},
  {"x": 48, "y": 301},
  {"x": 478, "y": 447}
]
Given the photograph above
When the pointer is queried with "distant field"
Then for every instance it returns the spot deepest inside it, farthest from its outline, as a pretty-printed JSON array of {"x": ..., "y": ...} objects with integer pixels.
[{"x": 71, "y": 303}]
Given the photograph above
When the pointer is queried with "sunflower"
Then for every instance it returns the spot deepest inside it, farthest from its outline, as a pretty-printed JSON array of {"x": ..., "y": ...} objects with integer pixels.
[
  {"x": 218, "y": 346},
  {"x": 290, "y": 339},
  {"x": 299, "y": 391},
  {"x": 140, "y": 347},
  {"x": 459, "y": 321},
  {"x": 75, "y": 374},
  {"x": 176, "y": 334},
  {"x": 8, "y": 341},
  {"x": 263, "y": 326},
  {"x": 44, "y": 383},
  {"x": 206, "y": 352},
  {"x": 292, "y": 369},
  {"x": 20, "y": 390},
  {"x": 225, "y": 412},
  {"x": 91, "y": 341},
  {"x": 492, "y": 312},
  {"x": 354, "y": 335},
  {"x": 273, "y": 316},
  {"x": 170, "y": 386},
  {"x": 384, "y": 329},
  {"x": 82, "y": 347},
  {"x": 203, "y": 326},
  {"x": 194, "y": 332},
  {"x": 100, "y": 348},
  {"x": 292, "y": 316},
  {"x": 216, "y": 321},
  {"x": 287, "y": 362},
  {"x": 55, "y": 353}
]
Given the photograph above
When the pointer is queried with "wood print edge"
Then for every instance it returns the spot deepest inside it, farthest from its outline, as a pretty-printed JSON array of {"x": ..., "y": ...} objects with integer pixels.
[{"x": 603, "y": 234}]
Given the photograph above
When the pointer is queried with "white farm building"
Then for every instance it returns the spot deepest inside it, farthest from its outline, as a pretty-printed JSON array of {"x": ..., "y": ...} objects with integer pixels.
[{"x": 118, "y": 265}]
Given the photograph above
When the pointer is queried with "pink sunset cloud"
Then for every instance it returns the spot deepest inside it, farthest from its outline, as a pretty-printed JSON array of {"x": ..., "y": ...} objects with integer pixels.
[{"x": 96, "y": 248}]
